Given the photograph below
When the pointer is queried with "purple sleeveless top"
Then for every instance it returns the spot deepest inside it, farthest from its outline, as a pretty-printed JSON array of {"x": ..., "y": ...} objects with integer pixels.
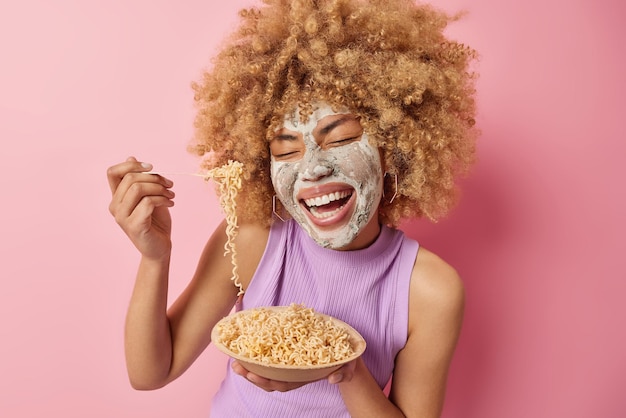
[{"x": 368, "y": 289}]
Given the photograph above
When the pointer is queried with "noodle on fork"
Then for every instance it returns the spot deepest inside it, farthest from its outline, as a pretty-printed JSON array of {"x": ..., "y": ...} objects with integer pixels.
[{"x": 228, "y": 179}]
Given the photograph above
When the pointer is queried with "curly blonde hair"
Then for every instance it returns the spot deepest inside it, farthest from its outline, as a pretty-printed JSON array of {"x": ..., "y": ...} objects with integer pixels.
[{"x": 387, "y": 61}]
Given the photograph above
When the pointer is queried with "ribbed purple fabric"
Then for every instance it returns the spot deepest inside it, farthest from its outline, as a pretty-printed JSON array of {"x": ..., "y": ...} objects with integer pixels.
[{"x": 367, "y": 289}]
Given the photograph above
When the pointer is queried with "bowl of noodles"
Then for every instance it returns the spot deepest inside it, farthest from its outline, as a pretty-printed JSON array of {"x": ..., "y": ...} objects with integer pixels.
[{"x": 287, "y": 343}]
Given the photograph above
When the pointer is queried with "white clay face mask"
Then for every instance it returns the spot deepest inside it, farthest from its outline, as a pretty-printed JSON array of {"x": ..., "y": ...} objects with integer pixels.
[{"x": 327, "y": 175}]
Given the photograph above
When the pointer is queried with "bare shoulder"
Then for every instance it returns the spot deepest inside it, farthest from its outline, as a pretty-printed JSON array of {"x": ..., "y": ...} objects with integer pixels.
[
  {"x": 250, "y": 242},
  {"x": 436, "y": 288},
  {"x": 252, "y": 234}
]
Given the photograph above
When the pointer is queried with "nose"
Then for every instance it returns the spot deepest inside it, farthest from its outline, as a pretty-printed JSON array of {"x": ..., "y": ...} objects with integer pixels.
[{"x": 316, "y": 166}]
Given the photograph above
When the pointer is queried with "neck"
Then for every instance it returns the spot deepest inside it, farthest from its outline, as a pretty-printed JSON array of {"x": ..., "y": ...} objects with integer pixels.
[{"x": 367, "y": 236}]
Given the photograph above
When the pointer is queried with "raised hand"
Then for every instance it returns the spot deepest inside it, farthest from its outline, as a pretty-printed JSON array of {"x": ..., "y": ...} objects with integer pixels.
[{"x": 139, "y": 204}]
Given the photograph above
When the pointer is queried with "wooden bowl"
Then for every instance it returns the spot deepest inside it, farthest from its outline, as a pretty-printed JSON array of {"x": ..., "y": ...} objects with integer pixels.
[{"x": 291, "y": 373}]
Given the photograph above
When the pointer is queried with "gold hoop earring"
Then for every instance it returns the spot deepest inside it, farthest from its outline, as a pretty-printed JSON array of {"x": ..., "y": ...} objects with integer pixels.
[
  {"x": 274, "y": 209},
  {"x": 395, "y": 186}
]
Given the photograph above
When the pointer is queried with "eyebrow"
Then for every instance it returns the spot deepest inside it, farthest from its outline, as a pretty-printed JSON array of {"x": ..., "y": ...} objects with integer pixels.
[
  {"x": 286, "y": 137},
  {"x": 326, "y": 129}
]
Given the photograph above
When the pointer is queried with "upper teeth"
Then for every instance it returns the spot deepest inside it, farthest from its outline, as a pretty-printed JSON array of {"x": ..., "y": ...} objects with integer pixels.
[{"x": 326, "y": 199}]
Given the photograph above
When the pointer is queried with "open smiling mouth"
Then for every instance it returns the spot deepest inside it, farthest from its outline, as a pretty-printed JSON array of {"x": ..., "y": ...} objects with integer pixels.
[{"x": 328, "y": 205}]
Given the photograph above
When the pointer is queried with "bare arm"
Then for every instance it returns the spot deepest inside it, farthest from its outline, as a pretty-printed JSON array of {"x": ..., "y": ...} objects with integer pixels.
[
  {"x": 420, "y": 373},
  {"x": 211, "y": 294},
  {"x": 435, "y": 318},
  {"x": 147, "y": 332},
  {"x": 140, "y": 204},
  {"x": 160, "y": 344}
]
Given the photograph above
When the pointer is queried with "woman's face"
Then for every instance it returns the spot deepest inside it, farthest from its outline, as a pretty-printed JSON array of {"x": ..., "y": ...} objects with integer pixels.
[{"x": 328, "y": 177}]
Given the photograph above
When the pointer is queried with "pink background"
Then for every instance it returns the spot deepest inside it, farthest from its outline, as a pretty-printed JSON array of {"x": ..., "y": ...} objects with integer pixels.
[{"x": 538, "y": 237}]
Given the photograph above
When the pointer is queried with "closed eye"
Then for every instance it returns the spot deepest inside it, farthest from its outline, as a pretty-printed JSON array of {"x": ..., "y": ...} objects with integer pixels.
[
  {"x": 344, "y": 141},
  {"x": 286, "y": 146},
  {"x": 285, "y": 155}
]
